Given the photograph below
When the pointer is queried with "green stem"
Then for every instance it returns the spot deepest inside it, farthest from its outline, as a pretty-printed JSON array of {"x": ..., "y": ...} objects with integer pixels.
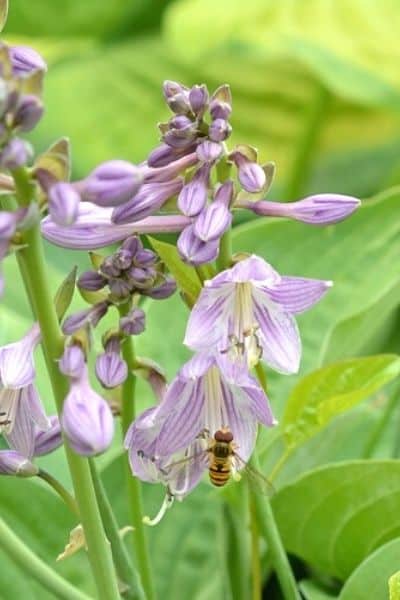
[
  {"x": 140, "y": 542},
  {"x": 60, "y": 490},
  {"x": 315, "y": 114},
  {"x": 31, "y": 564},
  {"x": 224, "y": 259},
  {"x": 280, "y": 463},
  {"x": 32, "y": 265},
  {"x": 125, "y": 569},
  {"x": 255, "y": 553},
  {"x": 236, "y": 544},
  {"x": 270, "y": 532}
]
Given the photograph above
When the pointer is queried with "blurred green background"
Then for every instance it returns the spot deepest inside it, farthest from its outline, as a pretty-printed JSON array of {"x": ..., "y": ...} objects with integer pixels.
[{"x": 316, "y": 88}]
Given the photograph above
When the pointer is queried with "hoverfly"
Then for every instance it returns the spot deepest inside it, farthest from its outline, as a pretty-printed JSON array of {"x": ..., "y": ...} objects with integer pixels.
[{"x": 224, "y": 462}]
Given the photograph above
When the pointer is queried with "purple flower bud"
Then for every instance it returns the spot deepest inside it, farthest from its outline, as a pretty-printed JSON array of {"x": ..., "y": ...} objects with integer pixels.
[
  {"x": 13, "y": 463},
  {"x": 111, "y": 369},
  {"x": 28, "y": 113},
  {"x": 24, "y": 60},
  {"x": 63, "y": 204},
  {"x": 122, "y": 259},
  {"x": 177, "y": 97},
  {"x": 224, "y": 194},
  {"x": 111, "y": 183},
  {"x": 16, "y": 154},
  {"x": 164, "y": 290},
  {"x": 49, "y": 440},
  {"x": 87, "y": 420},
  {"x": 251, "y": 175},
  {"x": 120, "y": 288},
  {"x": 132, "y": 244},
  {"x": 8, "y": 224},
  {"x": 148, "y": 200},
  {"x": 209, "y": 152},
  {"x": 180, "y": 122},
  {"x": 134, "y": 322},
  {"x": 72, "y": 362},
  {"x": 198, "y": 98},
  {"x": 109, "y": 268},
  {"x": 219, "y": 130},
  {"x": 171, "y": 170},
  {"x": 193, "y": 250},
  {"x": 142, "y": 277},
  {"x": 89, "y": 316},
  {"x": 221, "y": 103},
  {"x": 145, "y": 257},
  {"x": 181, "y": 138},
  {"x": 193, "y": 196},
  {"x": 91, "y": 281},
  {"x": 163, "y": 155},
  {"x": 171, "y": 88},
  {"x": 321, "y": 209},
  {"x": 212, "y": 222}
]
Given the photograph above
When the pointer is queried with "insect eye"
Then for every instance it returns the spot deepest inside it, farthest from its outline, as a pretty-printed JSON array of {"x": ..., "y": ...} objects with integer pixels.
[{"x": 223, "y": 436}]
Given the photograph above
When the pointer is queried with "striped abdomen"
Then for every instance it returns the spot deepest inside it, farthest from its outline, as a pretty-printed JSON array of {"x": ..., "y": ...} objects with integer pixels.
[{"x": 220, "y": 464}]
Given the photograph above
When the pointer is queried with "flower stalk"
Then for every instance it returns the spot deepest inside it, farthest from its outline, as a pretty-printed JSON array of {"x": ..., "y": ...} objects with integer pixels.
[
  {"x": 60, "y": 490},
  {"x": 140, "y": 543},
  {"x": 31, "y": 262}
]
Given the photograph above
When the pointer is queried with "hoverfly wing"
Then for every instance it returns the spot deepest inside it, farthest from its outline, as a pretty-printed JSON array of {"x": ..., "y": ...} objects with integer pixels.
[{"x": 255, "y": 479}]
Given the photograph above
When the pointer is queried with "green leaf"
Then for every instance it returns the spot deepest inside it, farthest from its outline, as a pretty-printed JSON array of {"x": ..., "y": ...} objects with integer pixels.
[
  {"x": 370, "y": 579},
  {"x": 3, "y": 13},
  {"x": 394, "y": 586},
  {"x": 335, "y": 516},
  {"x": 345, "y": 44},
  {"x": 186, "y": 277},
  {"x": 56, "y": 160},
  {"x": 327, "y": 392},
  {"x": 312, "y": 591},
  {"x": 65, "y": 293}
]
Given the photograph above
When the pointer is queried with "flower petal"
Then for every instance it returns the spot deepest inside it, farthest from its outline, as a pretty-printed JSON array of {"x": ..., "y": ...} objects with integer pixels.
[
  {"x": 297, "y": 294},
  {"x": 210, "y": 314}
]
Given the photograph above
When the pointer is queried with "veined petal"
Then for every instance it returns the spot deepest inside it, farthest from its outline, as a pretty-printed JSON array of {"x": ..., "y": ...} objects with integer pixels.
[
  {"x": 197, "y": 366},
  {"x": 278, "y": 335},
  {"x": 297, "y": 294},
  {"x": 35, "y": 408},
  {"x": 9, "y": 399},
  {"x": 209, "y": 317},
  {"x": 237, "y": 415},
  {"x": 22, "y": 436}
]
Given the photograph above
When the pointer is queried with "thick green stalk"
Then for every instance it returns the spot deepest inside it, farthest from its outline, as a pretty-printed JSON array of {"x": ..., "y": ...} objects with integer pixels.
[
  {"x": 139, "y": 537},
  {"x": 32, "y": 265},
  {"x": 236, "y": 544},
  {"x": 31, "y": 564},
  {"x": 255, "y": 553},
  {"x": 125, "y": 569},
  {"x": 60, "y": 490},
  {"x": 314, "y": 117},
  {"x": 269, "y": 531}
]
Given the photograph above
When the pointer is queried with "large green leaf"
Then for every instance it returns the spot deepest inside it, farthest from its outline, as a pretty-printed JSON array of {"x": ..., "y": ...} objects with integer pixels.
[
  {"x": 335, "y": 516},
  {"x": 331, "y": 390},
  {"x": 370, "y": 579},
  {"x": 345, "y": 43},
  {"x": 312, "y": 591}
]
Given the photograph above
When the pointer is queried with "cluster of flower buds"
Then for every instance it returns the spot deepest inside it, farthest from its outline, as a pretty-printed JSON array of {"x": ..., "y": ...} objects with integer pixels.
[
  {"x": 21, "y": 108},
  {"x": 131, "y": 270}
]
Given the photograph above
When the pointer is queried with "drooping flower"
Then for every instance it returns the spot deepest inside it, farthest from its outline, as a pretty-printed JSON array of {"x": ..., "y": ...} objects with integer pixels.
[
  {"x": 13, "y": 462},
  {"x": 251, "y": 304},
  {"x": 208, "y": 394},
  {"x": 87, "y": 419}
]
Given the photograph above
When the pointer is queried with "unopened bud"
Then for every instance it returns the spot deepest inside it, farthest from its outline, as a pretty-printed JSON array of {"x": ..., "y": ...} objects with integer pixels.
[
  {"x": 134, "y": 322},
  {"x": 49, "y": 440},
  {"x": 17, "y": 153},
  {"x": 91, "y": 281},
  {"x": 112, "y": 183},
  {"x": 28, "y": 113}
]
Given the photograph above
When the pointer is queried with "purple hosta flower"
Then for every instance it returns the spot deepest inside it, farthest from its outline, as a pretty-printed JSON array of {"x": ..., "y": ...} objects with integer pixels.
[
  {"x": 179, "y": 132},
  {"x": 87, "y": 420},
  {"x": 253, "y": 306},
  {"x": 250, "y": 174},
  {"x": 88, "y": 316},
  {"x": 320, "y": 209},
  {"x": 8, "y": 226},
  {"x": 17, "y": 368},
  {"x": 111, "y": 369},
  {"x": 49, "y": 440},
  {"x": 207, "y": 395},
  {"x": 72, "y": 362},
  {"x": 163, "y": 289},
  {"x": 148, "y": 200},
  {"x": 94, "y": 229},
  {"x": 24, "y": 60},
  {"x": 212, "y": 222},
  {"x": 64, "y": 203},
  {"x": 134, "y": 322},
  {"x": 164, "y": 155},
  {"x": 224, "y": 193},
  {"x": 28, "y": 113},
  {"x": 14, "y": 463},
  {"x": 177, "y": 97},
  {"x": 170, "y": 171},
  {"x": 111, "y": 183},
  {"x": 193, "y": 250},
  {"x": 219, "y": 130},
  {"x": 15, "y": 154},
  {"x": 91, "y": 281},
  {"x": 193, "y": 196},
  {"x": 209, "y": 152},
  {"x": 221, "y": 103},
  {"x": 198, "y": 99}
]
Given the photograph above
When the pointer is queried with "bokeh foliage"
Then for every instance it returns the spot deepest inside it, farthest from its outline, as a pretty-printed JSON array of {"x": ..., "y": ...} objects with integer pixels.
[{"x": 316, "y": 88}]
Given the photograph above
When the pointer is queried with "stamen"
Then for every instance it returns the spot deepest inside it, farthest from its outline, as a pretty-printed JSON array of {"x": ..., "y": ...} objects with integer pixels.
[{"x": 167, "y": 503}]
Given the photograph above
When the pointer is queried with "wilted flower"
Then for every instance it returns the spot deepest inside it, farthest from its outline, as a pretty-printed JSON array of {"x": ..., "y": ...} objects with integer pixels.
[{"x": 251, "y": 304}]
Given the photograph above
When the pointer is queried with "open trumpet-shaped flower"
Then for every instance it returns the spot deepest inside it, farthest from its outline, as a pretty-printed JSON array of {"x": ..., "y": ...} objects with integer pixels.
[
  {"x": 209, "y": 393},
  {"x": 252, "y": 306}
]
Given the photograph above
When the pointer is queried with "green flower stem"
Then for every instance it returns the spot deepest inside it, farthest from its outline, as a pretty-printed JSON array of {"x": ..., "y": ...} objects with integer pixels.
[
  {"x": 235, "y": 517},
  {"x": 140, "y": 542},
  {"x": 255, "y": 553},
  {"x": 31, "y": 564},
  {"x": 32, "y": 265},
  {"x": 60, "y": 490},
  {"x": 269, "y": 531},
  {"x": 224, "y": 259},
  {"x": 314, "y": 117},
  {"x": 125, "y": 569}
]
